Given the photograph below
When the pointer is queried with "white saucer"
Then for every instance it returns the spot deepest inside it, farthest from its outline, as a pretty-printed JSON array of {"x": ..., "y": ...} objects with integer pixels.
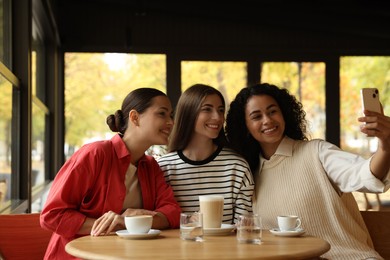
[
  {"x": 224, "y": 230},
  {"x": 290, "y": 233},
  {"x": 125, "y": 234}
]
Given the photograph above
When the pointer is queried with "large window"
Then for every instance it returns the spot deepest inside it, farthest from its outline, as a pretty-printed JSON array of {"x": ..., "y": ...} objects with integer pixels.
[
  {"x": 306, "y": 81},
  {"x": 9, "y": 87},
  {"x": 106, "y": 78},
  {"x": 357, "y": 73},
  {"x": 228, "y": 77},
  {"x": 5, "y": 140},
  {"x": 95, "y": 86}
]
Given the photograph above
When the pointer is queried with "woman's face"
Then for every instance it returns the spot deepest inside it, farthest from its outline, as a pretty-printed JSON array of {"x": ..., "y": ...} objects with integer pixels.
[
  {"x": 211, "y": 117},
  {"x": 264, "y": 120},
  {"x": 156, "y": 122}
]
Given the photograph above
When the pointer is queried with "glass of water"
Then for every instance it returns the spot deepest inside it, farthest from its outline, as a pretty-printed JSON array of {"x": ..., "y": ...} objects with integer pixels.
[
  {"x": 249, "y": 229},
  {"x": 191, "y": 226}
]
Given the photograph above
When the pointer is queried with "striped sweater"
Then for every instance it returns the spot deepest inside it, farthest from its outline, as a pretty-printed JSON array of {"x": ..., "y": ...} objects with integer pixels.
[{"x": 223, "y": 173}]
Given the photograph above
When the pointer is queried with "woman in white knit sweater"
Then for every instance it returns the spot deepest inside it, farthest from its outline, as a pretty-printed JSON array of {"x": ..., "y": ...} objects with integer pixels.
[{"x": 312, "y": 179}]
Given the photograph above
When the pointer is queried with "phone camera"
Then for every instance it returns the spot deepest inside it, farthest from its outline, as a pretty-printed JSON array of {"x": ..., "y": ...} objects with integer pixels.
[{"x": 374, "y": 95}]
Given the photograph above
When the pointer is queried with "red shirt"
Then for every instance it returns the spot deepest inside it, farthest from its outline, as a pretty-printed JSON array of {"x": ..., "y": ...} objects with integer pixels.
[{"x": 91, "y": 183}]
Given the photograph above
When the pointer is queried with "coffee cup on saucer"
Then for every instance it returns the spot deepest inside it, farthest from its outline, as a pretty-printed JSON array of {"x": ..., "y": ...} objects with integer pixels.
[
  {"x": 288, "y": 222},
  {"x": 138, "y": 224}
]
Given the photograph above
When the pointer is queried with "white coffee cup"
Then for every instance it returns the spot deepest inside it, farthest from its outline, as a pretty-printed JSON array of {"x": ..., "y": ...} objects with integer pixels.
[
  {"x": 139, "y": 224},
  {"x": 212, "y": 208},
  {"x": 288, "y": 222}
]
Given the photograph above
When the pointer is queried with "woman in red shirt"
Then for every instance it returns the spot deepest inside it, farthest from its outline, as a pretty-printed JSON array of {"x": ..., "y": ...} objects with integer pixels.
[{"x": 106, "y": 180}]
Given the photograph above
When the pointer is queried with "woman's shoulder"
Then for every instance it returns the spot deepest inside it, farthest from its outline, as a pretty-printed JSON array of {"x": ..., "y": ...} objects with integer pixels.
[
  {"x": 231, "y": 154},
  {"x": 168, "y": 157},
  {"x": 315, "y": 144},
  {"x": 100, "y": 146}
]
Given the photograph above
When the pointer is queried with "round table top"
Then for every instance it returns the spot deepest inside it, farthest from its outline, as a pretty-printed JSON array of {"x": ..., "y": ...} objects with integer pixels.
[{"x": 168, "y": 245}]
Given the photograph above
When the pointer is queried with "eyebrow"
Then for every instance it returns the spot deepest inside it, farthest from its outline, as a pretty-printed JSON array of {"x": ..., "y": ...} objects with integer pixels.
[
  {"x": 258, "y": 111},
  {"x": 163, "y": 108},
  {"x": 210, "y": 105}
]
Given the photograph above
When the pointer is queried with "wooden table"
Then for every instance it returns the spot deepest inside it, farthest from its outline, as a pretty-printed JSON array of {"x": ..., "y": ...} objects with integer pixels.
[{"x": 168, "y": 245}]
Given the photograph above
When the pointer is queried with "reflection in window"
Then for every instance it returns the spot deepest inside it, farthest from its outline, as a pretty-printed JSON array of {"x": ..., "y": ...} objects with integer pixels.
[
  {"x": 38, "y": 141},
  {"x": 5, "y": 32},
  {"x": 39, "y": 111},
  {"x": 228, "y": 77},
  {"x": 105, "y": 79},
  {"x": 2, "y": 30},
  {"x": 5, "y": 139},
  {"x": 305, "y": 80},
  {"x": 38, "y": 82}
]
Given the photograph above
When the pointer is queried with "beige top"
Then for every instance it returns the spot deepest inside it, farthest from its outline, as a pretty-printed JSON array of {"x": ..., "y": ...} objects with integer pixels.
[
  {"x": 294, "y": 182},
  {"x": 133, "y": 197}
]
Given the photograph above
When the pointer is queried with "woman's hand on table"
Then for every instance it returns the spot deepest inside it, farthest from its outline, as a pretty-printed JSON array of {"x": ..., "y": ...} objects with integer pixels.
[{"x": 110, "y": 221}]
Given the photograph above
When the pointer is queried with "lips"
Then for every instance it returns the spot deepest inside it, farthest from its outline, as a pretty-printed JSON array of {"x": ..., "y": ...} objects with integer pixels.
[
  {"x": 269, "y": 130},
  {"x": 166, "y": 132},
  {"x": 212, "y": 126}
]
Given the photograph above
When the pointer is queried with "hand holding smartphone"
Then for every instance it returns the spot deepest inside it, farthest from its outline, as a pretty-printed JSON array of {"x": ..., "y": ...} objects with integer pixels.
[{"x": 370, "y": 99}]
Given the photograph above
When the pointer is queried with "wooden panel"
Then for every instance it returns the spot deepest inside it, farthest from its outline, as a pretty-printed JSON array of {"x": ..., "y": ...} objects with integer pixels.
[{"x": 378, "y": 224}]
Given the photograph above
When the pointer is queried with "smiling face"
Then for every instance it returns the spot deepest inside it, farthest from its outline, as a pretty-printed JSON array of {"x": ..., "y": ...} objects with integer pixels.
[
  {"x": 265, "y": 122},
  {"x": 156, "y": 122},
  {"x": 211, "y": 117}
]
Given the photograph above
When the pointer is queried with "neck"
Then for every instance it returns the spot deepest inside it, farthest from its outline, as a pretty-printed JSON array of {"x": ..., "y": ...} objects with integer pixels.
[
  {"x": 199, "y": 151},
  {"x": 136, "y": 147},
  {"x": 269, "y": 149}
]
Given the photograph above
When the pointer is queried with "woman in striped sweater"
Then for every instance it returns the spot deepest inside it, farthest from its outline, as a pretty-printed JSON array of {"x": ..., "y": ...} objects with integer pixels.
[
  {"x": 312, "y": 179},
  {"x": 198, "y": 163}
]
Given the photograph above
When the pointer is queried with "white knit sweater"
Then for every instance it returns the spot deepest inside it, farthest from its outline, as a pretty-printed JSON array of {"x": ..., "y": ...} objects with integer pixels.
[{"x": 298, "y": 185}]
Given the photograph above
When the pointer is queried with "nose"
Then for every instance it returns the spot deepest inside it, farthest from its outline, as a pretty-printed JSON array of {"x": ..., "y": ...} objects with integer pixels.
[
  {"x": 170, "y": 121},
  {"x": 218, "y": 115},
  {"x": 266, "y": 119}
]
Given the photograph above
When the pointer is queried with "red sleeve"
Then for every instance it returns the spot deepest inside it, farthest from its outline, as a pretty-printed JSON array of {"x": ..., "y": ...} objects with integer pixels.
[
  {"x": 80, "y": 190},
  {"x": 60, "y": 213}
]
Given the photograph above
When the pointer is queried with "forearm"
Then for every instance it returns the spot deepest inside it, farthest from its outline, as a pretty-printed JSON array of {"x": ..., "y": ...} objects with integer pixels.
[
  {"x": 160, "y": 221},
  {"x": 86, "y": 227},
  {"x": 380, "y": 164}
]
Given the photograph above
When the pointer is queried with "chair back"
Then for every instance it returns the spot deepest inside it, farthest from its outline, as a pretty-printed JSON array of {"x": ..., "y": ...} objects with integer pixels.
[
  {"x": 21, "y": 237},
  {"x": 378, "y": 224}
]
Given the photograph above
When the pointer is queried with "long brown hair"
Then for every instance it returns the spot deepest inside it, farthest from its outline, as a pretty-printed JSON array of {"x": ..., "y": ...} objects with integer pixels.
[{"x": 187, "y": 111}]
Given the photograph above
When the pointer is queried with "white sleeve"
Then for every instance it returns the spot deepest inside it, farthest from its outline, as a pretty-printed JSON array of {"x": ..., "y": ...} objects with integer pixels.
[{"x": 350, "y": 172}]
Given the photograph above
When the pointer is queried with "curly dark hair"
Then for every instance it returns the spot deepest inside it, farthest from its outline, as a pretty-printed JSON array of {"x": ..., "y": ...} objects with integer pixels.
[{"x": 237, "y": 133}]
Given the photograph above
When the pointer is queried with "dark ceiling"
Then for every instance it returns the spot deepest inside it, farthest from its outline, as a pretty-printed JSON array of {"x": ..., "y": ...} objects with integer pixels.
[
  {"x": 370, "y": 17},
  {"x": 369, "y": 20}
]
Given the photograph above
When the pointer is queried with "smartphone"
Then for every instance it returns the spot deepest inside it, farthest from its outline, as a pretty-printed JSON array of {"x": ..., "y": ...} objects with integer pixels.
[{"x": 370, "y": 99}]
